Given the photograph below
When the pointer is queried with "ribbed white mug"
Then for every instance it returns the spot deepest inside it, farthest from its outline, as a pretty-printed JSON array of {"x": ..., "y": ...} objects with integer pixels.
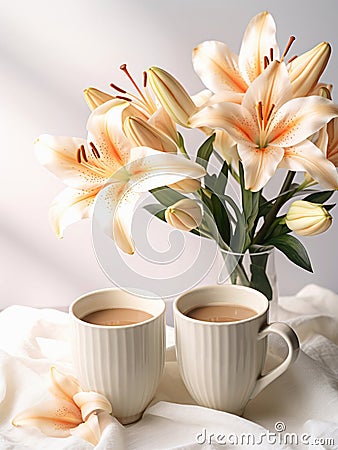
[
  {"x": 124, "y": 363},
  {"x": 221, "y": 362}
]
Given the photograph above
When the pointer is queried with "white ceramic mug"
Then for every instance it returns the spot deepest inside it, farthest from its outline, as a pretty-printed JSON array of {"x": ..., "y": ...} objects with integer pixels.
[
  {"x": 221, "y": 362},
  {"x": 124, "y": 363}
]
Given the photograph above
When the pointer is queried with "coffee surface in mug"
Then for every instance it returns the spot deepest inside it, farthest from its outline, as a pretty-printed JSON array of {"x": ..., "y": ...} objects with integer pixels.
[
  {"x": 224, "y": 312},
  {"x": 116, "y": 317}
]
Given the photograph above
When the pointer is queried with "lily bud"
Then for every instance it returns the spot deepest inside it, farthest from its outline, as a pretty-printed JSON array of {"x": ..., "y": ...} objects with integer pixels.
[
  {"x": 141, "y": 133},
  {"x": 187, "y": 186},
  {"x": 185, "y": 215},
  {"x": 305, "y": 70},
  {"x": 172, "y": 95},
  {"x": 308, "y": 219},
  {"x": 94, "y": 97}
]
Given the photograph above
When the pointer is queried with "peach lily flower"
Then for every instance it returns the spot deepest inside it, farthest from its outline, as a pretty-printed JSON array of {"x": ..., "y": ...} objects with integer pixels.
[
  {"x": 152, "y": 126},
  {"x": 88, "y": 166},
  {"x": 72, "y": 411},
  {"x": 229, "y": 76},
  {"x": 271, "y": 129}
]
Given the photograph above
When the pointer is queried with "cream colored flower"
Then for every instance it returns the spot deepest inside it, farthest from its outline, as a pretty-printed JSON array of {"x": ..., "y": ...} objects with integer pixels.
[
  {"x": 271, "y": 129},
  {"x": 70, "y": 411},
  {"x": 224, "y": 73},
  {"x": 142, "y": 105},
  {"x": 89, "y": 166},
  {"x": 308, "y": 219},
  {"x": 185, "y": 215}
]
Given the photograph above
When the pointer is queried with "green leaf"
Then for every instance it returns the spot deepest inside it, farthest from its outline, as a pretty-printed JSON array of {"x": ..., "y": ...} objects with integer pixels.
[
  {"x": 319, "y": 197},
  {"x": 292, "y": 249},
  {"x": 221, "y": 218},
  {"x": 181, "y": 145},
  {"x": 167, "y": 196},
  {"x": 264, "y": 206},
  {"x": 156, "y": 210},
  {"x": 329, "y": 207},
  {"x": 238, "y": 240},
  {"x": 250, "y": 205},
  {"x": 259, "y": 278},
  {"x": 222, "y": 179},
  {"x": 205, "y": 151},
  {"x": 210, "y": 181}
]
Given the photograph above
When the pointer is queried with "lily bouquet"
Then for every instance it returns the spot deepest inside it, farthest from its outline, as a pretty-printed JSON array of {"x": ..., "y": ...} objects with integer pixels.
[{"x": 261, "y": 111}]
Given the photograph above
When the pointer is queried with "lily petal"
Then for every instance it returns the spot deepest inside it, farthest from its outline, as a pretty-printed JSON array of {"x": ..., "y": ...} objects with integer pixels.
[
  {"x": 105, "y": 131},
  {"x": 299, "y": 118},
  {"x": 307, "y": 157},
  {"x": 147, "y": 170},
  {"x": 141, "y": 133},
  {"x": 226, "y": 147},
  {"x": 225, "y": 96},
  {"x": 234, "y": 119},
  {"x": 187, "y": 186},
  {"x": 259, "y": 164},
  {"x": 306, "y": 69},
  {"x": 163, "y": 122},
  {"x": 93, "y": 428},
  {"x": 172, "y": 95},
  {"x": 259, "y": 38},
  {"x": 89, "y": 430},
  {"x": 116, "y": 218},
  {"x": 332, "y": 148},
  {"x": 70, "y": 206},
  {"x": 63, "y": 386},
  {"x": 217, "y": 67},
  {"x": 53, "y": 418},
  {"x": 94, "y": 97},
  {"x": 202, "y": 97},
  {"x": 150, "y": 169},
  {"x": 59, "y": 156},
  {"x": 90, "y": 402},
  {"x": 272, "y": 88}
]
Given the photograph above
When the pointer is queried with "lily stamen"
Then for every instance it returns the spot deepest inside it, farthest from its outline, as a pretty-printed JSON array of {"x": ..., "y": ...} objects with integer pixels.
[
  {"x": 270, "y": 112},
  {"x": 121, "y": 97},
  {"x": 260, "y": 111},
  {"x": 292, "y": 59},
  {"x": 83, "y": 153},
  {"x": 117, "y": 88},
  {"x": 78, "y": 155},
  {"x": 95, "y": 151},
  {"x": 288, "y": 46},
  {"x": 123, "y": 67},
  {"x": 271, "y": 54},
  {"x": 266, "y": 62},
  {"x": 145, "y": 79}
]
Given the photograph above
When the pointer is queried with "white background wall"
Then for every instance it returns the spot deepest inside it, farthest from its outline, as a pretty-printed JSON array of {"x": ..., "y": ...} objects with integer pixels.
[{"x": 49, "y": 52}]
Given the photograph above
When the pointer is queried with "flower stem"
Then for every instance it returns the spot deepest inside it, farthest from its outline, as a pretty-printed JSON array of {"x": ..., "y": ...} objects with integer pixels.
[{"x": 271, "y": 216}]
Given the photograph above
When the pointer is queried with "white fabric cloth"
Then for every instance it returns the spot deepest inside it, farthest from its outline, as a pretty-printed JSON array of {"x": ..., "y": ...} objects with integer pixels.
[{"x": 304, "y": 400}]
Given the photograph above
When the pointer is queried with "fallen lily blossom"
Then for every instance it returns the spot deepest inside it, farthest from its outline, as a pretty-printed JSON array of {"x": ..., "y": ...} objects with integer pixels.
[{"x": 72, "y": 411}]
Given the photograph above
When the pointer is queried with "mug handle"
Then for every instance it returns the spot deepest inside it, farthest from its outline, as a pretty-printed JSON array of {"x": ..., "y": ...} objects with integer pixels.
[{"x": 290, "y": 337}]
